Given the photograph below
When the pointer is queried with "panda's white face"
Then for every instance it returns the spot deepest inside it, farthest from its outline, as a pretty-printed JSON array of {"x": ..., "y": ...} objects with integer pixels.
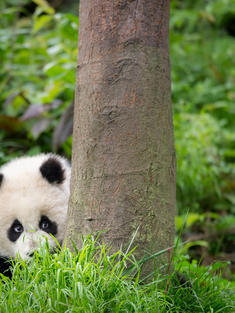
[{"x": 34, "y": 194}]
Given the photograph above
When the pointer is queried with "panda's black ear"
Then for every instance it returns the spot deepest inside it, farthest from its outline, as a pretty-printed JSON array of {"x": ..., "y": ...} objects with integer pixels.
[
  {"x": 52, "y": 171},
  {"x": 1, "y": 179}
]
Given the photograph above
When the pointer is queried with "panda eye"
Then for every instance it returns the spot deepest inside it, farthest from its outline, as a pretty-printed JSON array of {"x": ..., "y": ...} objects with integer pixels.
[
  {"x": 47, "y": 225},
  {"x": 18, "y": 228},
  {"x": 15, "y": 231},
  {"x": 44, "y": 225}
]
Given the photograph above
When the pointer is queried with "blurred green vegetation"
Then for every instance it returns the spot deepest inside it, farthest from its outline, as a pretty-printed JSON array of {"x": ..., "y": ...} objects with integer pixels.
[
  {"x": 37, "y": 75},
  {"x": 203, "y": 80},
  {"x": 38, "y": 51},
  {"x": 203, "y": 93}
]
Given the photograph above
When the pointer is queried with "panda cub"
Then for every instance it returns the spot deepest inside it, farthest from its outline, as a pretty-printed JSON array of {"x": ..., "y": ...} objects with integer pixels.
[{"x": 34, "y": 194}]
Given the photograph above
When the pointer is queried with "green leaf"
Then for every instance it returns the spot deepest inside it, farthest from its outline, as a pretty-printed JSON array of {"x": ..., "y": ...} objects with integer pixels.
[
  {"x": 193, "y": 218},
  {"x": 44, "y": 5},
  {"x": 41, "y": 21},
  {"x": 188, "y": 245}
]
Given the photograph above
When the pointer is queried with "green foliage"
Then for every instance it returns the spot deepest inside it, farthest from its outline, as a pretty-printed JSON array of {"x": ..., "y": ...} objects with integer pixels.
[
  {"x": 92, "y": 280},
  {"x": 38, "y": 57},
  {"x": 202, "y": 50},
  {"x": 203, "y": 96},
  {"x": 199, "y": 161},
  {"x": 203, "y": 290},
  {"x": 202, "y": 57}
]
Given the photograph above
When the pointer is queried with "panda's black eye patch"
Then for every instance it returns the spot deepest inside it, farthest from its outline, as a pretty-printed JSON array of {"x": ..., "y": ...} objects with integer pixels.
[
  {"x": 15, "y": 230},
  {"x": 47, "y": 225}
]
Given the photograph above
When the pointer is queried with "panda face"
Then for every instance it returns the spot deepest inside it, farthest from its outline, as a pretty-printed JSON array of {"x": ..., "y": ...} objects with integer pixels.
[
  {"x": 24, "y": 241},
  {"x": 34, "y": 193}
]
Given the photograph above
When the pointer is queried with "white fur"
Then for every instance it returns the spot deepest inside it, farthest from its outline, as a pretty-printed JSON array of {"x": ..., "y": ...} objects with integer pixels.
[{"x": 25, "y": 195}]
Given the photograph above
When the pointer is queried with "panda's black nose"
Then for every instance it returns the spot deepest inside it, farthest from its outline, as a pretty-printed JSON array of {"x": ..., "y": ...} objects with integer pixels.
[{"x": 31, "y": 254}]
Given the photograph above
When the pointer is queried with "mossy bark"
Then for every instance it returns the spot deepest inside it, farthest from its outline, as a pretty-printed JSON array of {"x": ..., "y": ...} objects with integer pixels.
[{"x": 123, "y": 162}]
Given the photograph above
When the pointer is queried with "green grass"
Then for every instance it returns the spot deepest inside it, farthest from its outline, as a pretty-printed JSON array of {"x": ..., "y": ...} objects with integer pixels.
[{"x": 93, "y": 281}]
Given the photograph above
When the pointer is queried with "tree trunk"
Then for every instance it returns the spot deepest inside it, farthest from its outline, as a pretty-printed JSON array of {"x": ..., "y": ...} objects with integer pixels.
[{"x": 123, "y": 163}]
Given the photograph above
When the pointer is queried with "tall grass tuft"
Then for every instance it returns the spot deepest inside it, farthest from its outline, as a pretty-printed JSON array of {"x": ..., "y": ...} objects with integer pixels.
[{"x": 91, "y": 280}]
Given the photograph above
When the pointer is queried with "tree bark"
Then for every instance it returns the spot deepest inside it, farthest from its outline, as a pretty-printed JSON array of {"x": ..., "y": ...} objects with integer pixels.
[{"x": 123, "y": 160}]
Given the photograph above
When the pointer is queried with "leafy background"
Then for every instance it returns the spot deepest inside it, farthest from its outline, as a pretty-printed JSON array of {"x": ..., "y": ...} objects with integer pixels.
[{"x": 38, "y": 51}]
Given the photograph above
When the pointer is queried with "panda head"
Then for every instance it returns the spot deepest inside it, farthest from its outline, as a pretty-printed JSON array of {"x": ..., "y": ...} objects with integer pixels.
[{"x": 34, "y": 194}]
